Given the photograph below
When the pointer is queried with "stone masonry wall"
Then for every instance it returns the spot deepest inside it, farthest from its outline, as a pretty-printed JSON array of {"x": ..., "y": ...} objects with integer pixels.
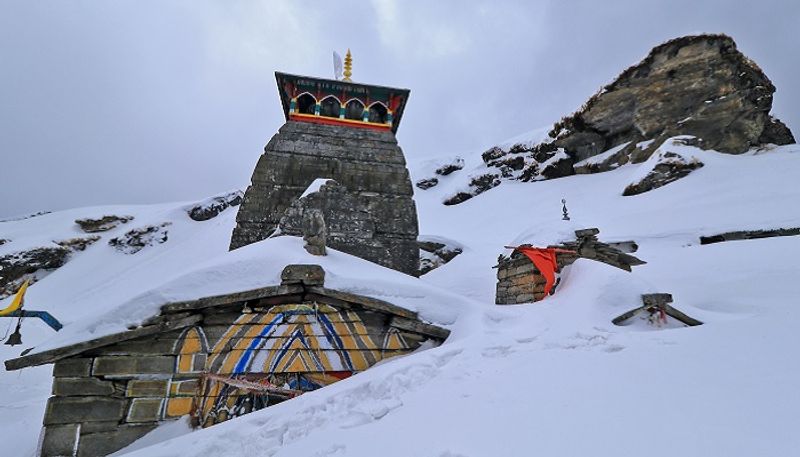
[
  {"x": 105, "y": 399},
  {"x": 519, "y": 281},
  {"x": 367, "y": 163}
]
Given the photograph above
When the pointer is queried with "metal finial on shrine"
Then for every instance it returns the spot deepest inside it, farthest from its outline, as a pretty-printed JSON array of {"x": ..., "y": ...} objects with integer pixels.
[
  {"x": 348, "y": 67},
  {"x": 565, "y": 217}
]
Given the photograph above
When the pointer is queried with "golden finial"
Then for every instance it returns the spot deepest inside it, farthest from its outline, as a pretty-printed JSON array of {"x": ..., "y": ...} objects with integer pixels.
[{"x": 348, "y": 67}]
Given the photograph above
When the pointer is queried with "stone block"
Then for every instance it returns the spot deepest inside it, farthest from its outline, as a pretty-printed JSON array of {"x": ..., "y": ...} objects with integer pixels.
[
  {"x": 147, "y": 388},
  {"x": 133, "y": 366},
  {"x": 145, "y": 410},
  {"x": 104, "y": 443},
  {"x": 310, "y": 275},
  {"x": 656, "y": 299},
  {"x": 150, "y": 346},
  {"x": 76, "y": 366},
  {"x": 76, "y": 387},
  {"x": 184, "y": 388},
  {"x": 64, "y": 410},
  {"x": 60, "y": 440},
  {"x": 102, "y": 426}
]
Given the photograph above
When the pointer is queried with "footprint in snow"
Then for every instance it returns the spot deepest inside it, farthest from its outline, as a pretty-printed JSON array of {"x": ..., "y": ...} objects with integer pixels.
[
  {"x": 497, "y": 351},
  {"x": 332, "y": 451}
]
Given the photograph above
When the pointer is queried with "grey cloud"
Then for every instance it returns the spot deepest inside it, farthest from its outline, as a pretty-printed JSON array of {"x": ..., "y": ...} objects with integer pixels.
[{"x": 142, "y": 102}]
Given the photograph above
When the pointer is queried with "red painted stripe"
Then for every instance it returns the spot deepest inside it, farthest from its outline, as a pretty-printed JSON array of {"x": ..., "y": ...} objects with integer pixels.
[{"x": 333, "y": 121}]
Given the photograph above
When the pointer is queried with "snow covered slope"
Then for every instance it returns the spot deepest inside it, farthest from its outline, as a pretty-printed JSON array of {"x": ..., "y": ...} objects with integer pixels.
[{"x": 552, "y": 378}]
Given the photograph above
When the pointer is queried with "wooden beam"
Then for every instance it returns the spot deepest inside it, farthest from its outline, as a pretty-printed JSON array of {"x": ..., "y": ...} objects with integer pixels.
[
  {"x": 53, "y": 355},
  {"x": 676, "y": 314},
  {"x": 366, "y": 302},
  {"x": 416, "y": 326},
  {"x": 227, "y": 299}
]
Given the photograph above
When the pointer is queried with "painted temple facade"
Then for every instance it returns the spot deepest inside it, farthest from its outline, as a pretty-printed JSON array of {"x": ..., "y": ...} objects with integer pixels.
[{"x": 216, "y": 358}]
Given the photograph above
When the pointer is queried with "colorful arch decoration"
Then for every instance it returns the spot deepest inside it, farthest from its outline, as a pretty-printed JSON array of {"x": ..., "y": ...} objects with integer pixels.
[{"x": 293, "y": 88}]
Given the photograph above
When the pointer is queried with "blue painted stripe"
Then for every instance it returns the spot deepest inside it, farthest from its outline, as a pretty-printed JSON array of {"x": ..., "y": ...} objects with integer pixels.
[
  {"x": 241, "y": 364},
  {"x": 335, "y": 341},
  {"x": 297, "y": 335}
]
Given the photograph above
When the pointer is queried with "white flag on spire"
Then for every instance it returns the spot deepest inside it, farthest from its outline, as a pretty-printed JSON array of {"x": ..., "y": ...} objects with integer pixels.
[{"x": 337, "y": 66}]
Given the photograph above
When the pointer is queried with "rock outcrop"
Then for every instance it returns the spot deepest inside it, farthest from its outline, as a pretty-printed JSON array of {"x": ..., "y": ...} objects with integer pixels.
[
  {"x": 210, "y": 208},
  {"x": 695, "y": 85},
  {"x": 446, "y": 169},
  {"x": 433, "y": 253},
  {"x": 137, "y": 239},
  {"x": 700, "y": 86},
  {"x": 367, "y": 163},
  {"x": 17, "y": 266},
  {"x": 103, "y": 224},
  {"x": 669, "y": 167}
]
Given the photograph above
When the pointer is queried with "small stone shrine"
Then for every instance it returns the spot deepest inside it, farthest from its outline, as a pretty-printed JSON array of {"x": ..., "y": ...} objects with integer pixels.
[{"x": 520, "y": 281}]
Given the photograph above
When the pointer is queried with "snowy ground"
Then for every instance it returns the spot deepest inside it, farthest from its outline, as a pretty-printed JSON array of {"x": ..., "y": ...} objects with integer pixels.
[{"x": 553, "y": 378}]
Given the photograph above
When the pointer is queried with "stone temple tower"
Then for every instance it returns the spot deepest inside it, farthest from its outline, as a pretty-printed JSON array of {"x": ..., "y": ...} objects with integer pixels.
[{"x": 342, "y": 131}]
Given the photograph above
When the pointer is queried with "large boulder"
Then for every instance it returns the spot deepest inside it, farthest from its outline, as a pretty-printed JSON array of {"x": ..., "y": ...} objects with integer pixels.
[
  {"x": 699, "y": 86},
  {"x": 695, "y": 85}
]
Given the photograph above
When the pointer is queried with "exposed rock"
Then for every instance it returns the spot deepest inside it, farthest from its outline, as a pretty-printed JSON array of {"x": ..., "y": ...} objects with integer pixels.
[
  {"x": 700, "y": 86},
  {"x": 355, "y": 225},
  {"x": 478, "y": 185},
  {"x": 78, "y": 244},
  {"x": 27, "y": 216},
  {"x": 776, "y": 132},
  {"x": 696, "y": 85},
  {"x": 137, "y": 239},
  {"x": 103, "y": 224},
  {"x": 669, "y": 167},
  {"x": 368, "y": 163},
  {"x": 749, "y": 235},
  {"x": 434, "y": 254},
  {"x": 446, "y": 169},
  {"x": 211, "y": 207},
  {"x": 4, "y": 241},
  {"x": 558, "y": 166},
  {"x": 459, "y": 197},
  {"x": 18, "y": 266},
  {"x": 427, "y": 183}
]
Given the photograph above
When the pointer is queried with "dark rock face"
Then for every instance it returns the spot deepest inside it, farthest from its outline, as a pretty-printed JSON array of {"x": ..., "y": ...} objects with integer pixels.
[
  {"x": 354, "y": 224},
  {"x": 434, "y": 254},
  {"x": 448, "y": 168},
  {"x": 776, "y": 132},
  {"x": 367, "y": 163},
  {"x": 695, "y": 85},
  {"x": 670, "y": 168},
  {"x": 211, "y": 208},
  {"x": 137, "y": 239},
  {"x": 79, "y": 243},
  {"x": 103, "y": 224},
  {"x": 19, "y": 265},
  {"x": 478, "y": 185},
  {"x": 427, "y": 183}
]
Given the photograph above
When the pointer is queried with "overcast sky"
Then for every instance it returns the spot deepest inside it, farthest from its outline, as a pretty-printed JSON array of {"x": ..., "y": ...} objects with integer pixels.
[{"x": 106, "y": 102}]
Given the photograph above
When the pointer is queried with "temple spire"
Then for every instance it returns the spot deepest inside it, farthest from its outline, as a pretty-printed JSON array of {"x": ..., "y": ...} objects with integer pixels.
[{"x": 348, "y": 67}]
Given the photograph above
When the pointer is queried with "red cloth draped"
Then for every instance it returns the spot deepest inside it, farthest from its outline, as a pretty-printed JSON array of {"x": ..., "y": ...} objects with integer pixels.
[{"x": 545, "y": 261}]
